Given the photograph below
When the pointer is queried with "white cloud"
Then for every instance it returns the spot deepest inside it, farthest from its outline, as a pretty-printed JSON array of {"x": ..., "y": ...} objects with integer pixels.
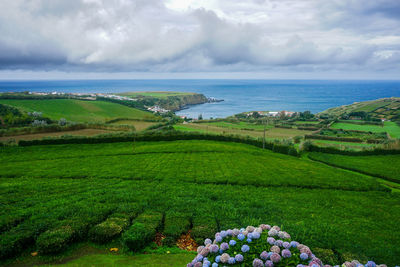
[{"x": 197, "y": 36}]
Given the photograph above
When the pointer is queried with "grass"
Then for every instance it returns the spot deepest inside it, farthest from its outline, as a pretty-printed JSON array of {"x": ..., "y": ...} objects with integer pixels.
[
  {"x": 209, "y": 183},
  {"x": 240, "y": 125},
  {"x": 385, "y": 166},
  {"x": 139, "y": 125},
  {"x": 339, "y": 144},
  {"x": 390, "y": 127},
  {"x": 83, "y": 132},
  {"x": 79, "y": 110},
  {"x": 306, "y": 122},
  {"x": 143, "y": 260},
  {"x": 271, "y": 133}
]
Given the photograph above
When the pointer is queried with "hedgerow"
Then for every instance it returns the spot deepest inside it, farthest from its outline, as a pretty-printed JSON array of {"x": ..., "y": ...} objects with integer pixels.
[
  {"x": 109, "y": 229},
  {"x": 175, "y": 224},
  {"x": 55, "y": 240}
]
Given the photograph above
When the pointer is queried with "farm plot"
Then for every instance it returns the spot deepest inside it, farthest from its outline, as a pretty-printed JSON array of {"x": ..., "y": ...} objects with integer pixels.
[
  {"x": 71, "y": 192},
  {"x": 390, "y": 127}
]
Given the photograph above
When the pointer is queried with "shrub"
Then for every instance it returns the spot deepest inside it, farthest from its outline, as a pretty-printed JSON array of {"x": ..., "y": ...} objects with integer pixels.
[
  {"x": 203, "y": 227},
  {"x": 55, "y": 240},
  {"x": 174, "y": 226},
  {"x": 258, "y": 247},
  {"x": 142, "y": 231},
  {"x": 109, "y": 229}
]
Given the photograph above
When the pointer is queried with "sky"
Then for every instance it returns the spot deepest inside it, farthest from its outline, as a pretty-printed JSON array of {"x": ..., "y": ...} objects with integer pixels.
[{"x": 254, "y": 39}]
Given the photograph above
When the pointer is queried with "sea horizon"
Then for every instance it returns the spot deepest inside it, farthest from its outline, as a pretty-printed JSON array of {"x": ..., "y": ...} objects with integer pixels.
[{"x": 239, "y": 95}]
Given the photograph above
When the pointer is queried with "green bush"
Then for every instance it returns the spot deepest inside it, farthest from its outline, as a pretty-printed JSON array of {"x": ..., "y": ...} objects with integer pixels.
[
  {"x": 142, "y": 231},
  {"x": 109, "y": 229},
  {"x": 55, "y": 240},
  {"x": 203, "y": 227},
  {"x": 14, "y": 242},
  {"x": 174, "y": 226}
]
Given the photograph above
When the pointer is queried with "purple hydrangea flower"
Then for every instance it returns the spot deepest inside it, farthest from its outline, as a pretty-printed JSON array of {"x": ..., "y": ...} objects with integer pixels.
[
  {"x": 218, "y": 258},
  {"x": 232, "y": 242},
  {"x": 206, "y": 263},
  {"x": 269, "y": 263},
  {"x": 258, "y": 263},
  {"x": 249, "y": 240},
  {"x": 218, "y": 239},
  {"x": 198, "y": 264},
  {"x": 264, "y": 255},
  {"x": 275, "y": 257},
  {"x": 272, "y": 232},
  {"x": 250, "y": 235},
  {"x": 207, "y": 241},
  {"x": 214, "y": 248},
  {"x": 303, "y": 256},
  {"x": 199, "y": 249},
  {"x": 271, "y": 240},
  {"x": 199, "y": 257},
  {"x": 241, "y": 237},
  {"x": 286, "y": 253},
  {"x": 214, "y": 264},
  {"x": 279, "y": 243},
  {"x": 229, "y": 232},
  {"x": 286, "y": 244},
  {"x": 224, "y": 246},
  {"x": 231, "y": 260},
  {"x": 239, "y": 258},
  {"x": 245, "y": 248},
  {"x": 370, "y": 264}
]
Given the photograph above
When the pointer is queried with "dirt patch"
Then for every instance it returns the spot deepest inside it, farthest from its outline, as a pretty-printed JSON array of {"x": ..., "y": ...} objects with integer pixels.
[{"x": 186, "y": 242}]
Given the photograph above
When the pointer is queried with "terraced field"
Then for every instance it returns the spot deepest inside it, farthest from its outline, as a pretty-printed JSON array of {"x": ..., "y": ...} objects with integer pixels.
[
  {"x": 390, "y": 127},
  {"x": 79, "y": 110},
  {"x": 63, "y": 194}
]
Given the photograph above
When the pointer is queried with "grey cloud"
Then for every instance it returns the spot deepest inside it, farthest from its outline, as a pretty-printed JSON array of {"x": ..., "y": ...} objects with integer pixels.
[{"x": 120, "y": 35}]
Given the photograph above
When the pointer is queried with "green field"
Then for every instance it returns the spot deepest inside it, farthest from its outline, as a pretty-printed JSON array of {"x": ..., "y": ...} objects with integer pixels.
[
  {"x": 203, "y": 185},
  {"x": 386, "y": 166},
  {"x": 344, "y": 145},
  {"x": 222, "y": 128},
  {"x": 139, "y": 125},
  {"x": 79, "y": 110},
  {"x": 306, "y": 122},
  {"x": 392, "y": 128},
  {"x": 240, "y": 125}
]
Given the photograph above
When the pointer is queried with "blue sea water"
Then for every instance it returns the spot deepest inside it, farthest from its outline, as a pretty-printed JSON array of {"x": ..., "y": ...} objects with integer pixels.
[{"x": 238, "y": 95}]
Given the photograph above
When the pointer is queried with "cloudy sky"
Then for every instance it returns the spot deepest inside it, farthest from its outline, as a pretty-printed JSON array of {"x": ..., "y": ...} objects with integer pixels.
[{"x": 200, "y": 39}]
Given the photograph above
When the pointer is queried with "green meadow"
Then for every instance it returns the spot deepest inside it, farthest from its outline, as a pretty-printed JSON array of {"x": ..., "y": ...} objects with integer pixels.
[
  {"x": 55, "y": 196},
  {"x": 79, "y": 110},
  {"x": 390, "y": 127}
]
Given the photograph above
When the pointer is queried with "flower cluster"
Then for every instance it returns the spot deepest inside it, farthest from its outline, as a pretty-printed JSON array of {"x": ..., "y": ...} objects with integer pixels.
[{"x": 258, "y": 247}]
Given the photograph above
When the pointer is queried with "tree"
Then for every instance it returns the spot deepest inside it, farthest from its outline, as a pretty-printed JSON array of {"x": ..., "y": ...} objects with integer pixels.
[{"x": 200, "y": 117}]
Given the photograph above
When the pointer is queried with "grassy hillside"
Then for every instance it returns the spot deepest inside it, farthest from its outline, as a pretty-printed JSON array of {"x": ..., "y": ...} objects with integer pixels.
[
  {"x": 64, "y": 191},
  {"x": 388, "y": 108},
  {"x": 79, "y": 110}
]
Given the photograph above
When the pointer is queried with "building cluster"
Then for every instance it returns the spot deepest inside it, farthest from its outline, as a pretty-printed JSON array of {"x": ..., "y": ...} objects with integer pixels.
[
  {"x": 157, "y": 109},
  {"x": 273, "y": 113}
]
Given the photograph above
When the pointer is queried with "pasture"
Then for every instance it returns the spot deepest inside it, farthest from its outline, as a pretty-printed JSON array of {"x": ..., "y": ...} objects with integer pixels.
[
  {"x": 139, "y": 125},
  {"x": 79, "y": 110},
  {"x": 35, "y": 136},
  {"x": 390, "y": 127},
  {"x": 222, "y": 128},
  {"x": 66, "y": 191}
]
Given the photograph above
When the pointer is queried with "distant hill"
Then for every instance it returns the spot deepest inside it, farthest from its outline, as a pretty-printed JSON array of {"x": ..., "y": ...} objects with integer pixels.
[
  {"x": 385, "y": 108},
  {"x": 168, "y": 100},
  {"x": 79, "y": 110}
]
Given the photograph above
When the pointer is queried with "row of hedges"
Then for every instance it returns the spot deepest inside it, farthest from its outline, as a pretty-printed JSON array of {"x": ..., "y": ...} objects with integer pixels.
[
  {"x": 308, "y": 128},
  {"x": 142, "y": 231},
  {"x": 175, "y": 224},
  {"x": 362, "y": 122},
  {"x": 333, "y": 138},
  {"x": 163, "y": 136},
  {"x": 283, "y": 126},
  {"x": 203, "y": 227},
  {"x": 333, "y": 150},
  {"x": 110, "y": 228}
]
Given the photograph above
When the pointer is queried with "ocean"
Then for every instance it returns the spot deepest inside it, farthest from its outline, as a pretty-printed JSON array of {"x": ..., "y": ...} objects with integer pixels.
[{"x": 238, "y": 95}]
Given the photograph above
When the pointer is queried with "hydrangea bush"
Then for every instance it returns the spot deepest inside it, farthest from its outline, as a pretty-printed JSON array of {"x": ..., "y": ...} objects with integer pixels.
[{"x": 258, "y": 246}]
